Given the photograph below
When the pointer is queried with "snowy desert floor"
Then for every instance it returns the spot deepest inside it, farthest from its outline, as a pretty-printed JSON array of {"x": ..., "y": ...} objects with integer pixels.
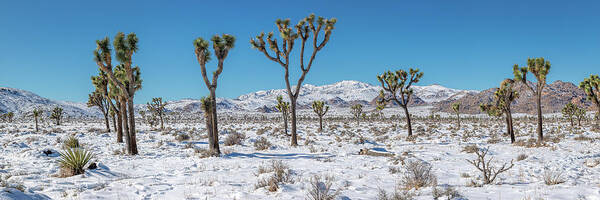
[{"x": 170, "y": 165}]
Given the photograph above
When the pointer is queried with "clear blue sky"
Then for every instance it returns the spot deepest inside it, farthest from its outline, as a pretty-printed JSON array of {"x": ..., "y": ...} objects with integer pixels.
[{"x": 46, "y": 46}]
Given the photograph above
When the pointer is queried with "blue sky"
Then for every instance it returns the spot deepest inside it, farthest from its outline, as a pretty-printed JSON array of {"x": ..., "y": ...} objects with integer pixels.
[{"x": 46, "y": 46}]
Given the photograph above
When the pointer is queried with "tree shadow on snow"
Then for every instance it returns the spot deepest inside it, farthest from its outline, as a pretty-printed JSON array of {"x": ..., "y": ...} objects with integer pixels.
[{"x": 279, "y": 156}]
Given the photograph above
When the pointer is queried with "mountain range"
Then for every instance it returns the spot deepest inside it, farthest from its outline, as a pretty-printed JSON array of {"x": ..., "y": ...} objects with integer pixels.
[{"x": 341, "y": 94}]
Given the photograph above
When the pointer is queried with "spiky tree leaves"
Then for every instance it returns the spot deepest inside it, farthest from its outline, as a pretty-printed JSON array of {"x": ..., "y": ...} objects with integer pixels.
[
  {"x": 580, "y": 115},
  {"x": 320, "y": 109},
  {"x": 356, "y": 111},
  {"x": 221, "y": 47},
  {"x": 569, "y": 112},
  {"x": 57, "y": 113},
  {"x": 157, "y": 107},
  {"x": 130, "y": 81},
  {"x": 307, "y": 28},
  {"x": 591, "y": 87},
  {"x": 503, "y": 98},
  {"x": 399, "y": 83},
  {"x": 456, "y": 109},
  {"x": 8, "y": 117},
  {"x": 284, "y": 108},
  {"x": 539, "y": 67}
]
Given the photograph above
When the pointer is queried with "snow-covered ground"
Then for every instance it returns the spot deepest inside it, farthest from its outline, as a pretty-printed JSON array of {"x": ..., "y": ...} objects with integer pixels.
[{"x": 168, "y": 168}]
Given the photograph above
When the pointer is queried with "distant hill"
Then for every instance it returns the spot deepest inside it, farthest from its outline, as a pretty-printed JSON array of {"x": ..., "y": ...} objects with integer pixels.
[{"x": 554, "y": 97}]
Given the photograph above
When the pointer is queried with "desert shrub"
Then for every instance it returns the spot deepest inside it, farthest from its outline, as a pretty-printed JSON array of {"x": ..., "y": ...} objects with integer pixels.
[
  {"x": 393, "y": 170},
  {"x": 182, "y": 137},
  {"x": 470, "y": 148},
  {"x": 205, "y": 153},
  {"x": 522, "y": 157},
  {"x": 262, "y": 144},
  {"x": 321, "y": 188},
  {"x": 71, "y": 142},
  {"x": 448, "y": 192},
  {"x": 489, "y": 171},
  {"x": 73, "y": 161},
  {"x": 418, "y": 174},
  {"x": 281, "y": 173},
  {"x": 234, "y": 139},
  {"x": 553, "y": 177},
  {"x": 398, "y": 194}
]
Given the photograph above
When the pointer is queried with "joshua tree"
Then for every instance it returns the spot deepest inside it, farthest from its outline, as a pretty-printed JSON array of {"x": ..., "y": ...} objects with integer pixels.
[
  {"x": 36, "y": 114},
  {"x": 130, "y": 81},
  {"x": 569, "y": 111},
  {"x": 221, "y": 47},
  {"x": 580, "y": 114},
  {"x": 456, "y": 109},
  {"x": 356, "y": 111},
  {"x": 539, "y": 68},
  {"x": 303, "y": 30},
  {"x": 112, "y": 112},
  {"x": 320, "y": 109},
  {"x": 399, "y": 83},
  {"x": 284, "y": 108},
  {"x": 591, "y": 86},
  {"x": 208, "y": 115},
  {"x": 57, "y": 113},
  {"x": 97, "y": 99},
  {"x": 379, "y": 109},
  {"x": 9, "y": 116},
  {"x": 157, "y": 107},
  {"x": 503, "y": 98}
]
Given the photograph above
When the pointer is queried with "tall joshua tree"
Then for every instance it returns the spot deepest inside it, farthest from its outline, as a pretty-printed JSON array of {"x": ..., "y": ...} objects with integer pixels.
[
  {"x": 503, "y": 98},
  {"x": 399, "y": 83},
  {"x": 356, "y": 111},
  {"x": 157, "y": 107},
  {"x": 208, "y": 115},
  {"x": 591, "y": 86},
  {"x": 57, "y": 113},
  {"x": 580, "y": 114},
  {"x": 221, "y": 47},
  {"x": 320, "y": 109},
  {"x": 284, "y": 108},
  {"x": 125, "y": 47},
  {"x": 456, "y": 109},
  {"x": 569, "y": 112},
  {"x": 36, "y": 114},
  {"x": 539, "y": 68},
  {"x": 304, "y": 30},
  {"x": 97, "y": 99}
]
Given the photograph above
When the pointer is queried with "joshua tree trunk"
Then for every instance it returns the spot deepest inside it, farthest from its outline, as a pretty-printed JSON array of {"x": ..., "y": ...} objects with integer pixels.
[
  {"x": 408, "y": 120},
  {"x": 114, "y": 122},
  {"x": 539, "y": 115},
  {"x": 124, "y": 122},
  {"x": 36, "y": 124},
  {"x": 119, "y": 122},
  {"x": 209, "y": 130},
  {"x": 320, "y": 123},
  {"x": 132, "y": 137},
  {"x": 294, "y": 141},
  {"x": 285, "y": 124},
  {"x": 509, "y": 126},
  {"x": 215, "y": 129},
  {"x": 106, "y": 121}
]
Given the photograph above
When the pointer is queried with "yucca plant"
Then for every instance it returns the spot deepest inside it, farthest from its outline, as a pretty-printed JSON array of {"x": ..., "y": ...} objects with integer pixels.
[
  {"x": 71, "y": 142},
  {"x": 73, "y": 161}
]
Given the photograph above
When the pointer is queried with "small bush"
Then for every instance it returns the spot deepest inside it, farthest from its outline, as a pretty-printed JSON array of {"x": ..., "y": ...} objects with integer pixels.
[
  {"x": 281, "y": 174},
  {"x": 553, "y": 177},
  {"x": 71, "y": 142},
  {"x": 448, "y": 192},
  {"x": 262, "y": 144},
  {"x": 182, "y": 137},
  {"x": 205, "y": 153},
  {"x": 470, "y": 148},
  {"x": 322, "y": 189},
  {"x": 398, "y": 194},
  {"x": 234, "y": 139},
  {"x": 418, "y": 174},
  {"x": 522, "y": 157},
  {"x": 73, "y": 161}
]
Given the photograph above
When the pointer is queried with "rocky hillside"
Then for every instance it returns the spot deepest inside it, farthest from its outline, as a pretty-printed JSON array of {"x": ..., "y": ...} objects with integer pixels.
[{"x": 554, "y": 97}]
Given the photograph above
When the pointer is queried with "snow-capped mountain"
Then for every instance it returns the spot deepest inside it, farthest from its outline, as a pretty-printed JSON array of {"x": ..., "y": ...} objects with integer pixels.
[
  {"x": 340, "y": 94},
  {"x": 22, "y": 102}
]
